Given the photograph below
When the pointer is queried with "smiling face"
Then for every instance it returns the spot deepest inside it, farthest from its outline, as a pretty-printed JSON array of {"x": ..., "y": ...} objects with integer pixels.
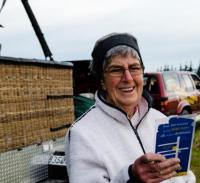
[{"x": 123, "y": 91}]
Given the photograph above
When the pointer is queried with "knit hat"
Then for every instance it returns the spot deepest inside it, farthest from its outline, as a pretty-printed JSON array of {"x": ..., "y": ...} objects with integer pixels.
[{"x": 105, "y": 44}]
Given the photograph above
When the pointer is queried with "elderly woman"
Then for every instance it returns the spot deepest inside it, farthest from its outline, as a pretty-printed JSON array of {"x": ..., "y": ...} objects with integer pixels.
[{"x": 114, "y": 140}]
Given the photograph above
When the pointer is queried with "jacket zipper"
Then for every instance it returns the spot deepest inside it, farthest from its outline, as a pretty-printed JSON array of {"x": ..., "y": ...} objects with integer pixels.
[
  {"x": 136, "y": 133},
  {"x": 138, "y": 137}
]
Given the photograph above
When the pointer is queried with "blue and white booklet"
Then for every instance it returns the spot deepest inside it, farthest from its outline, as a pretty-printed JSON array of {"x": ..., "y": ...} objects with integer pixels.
[{"x": 175, "y": 139}]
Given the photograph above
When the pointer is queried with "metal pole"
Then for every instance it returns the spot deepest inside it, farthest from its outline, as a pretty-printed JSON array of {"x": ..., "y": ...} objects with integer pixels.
[{"x": 37, "y": 30}]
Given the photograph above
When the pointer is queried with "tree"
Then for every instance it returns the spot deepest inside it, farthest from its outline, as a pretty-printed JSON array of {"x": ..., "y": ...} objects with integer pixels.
[
  {"x": 190, "y": 67},
  {"x": 187, "y": 67},
  {"x": 180, "y": 68},
  {"x": 166, "y": 68}
]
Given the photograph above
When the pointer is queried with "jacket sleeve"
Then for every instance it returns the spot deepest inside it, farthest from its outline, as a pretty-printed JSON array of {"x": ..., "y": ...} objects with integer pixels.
[
  {"x": 190, "y": 177},
  {"x": 84, "y": 163}
]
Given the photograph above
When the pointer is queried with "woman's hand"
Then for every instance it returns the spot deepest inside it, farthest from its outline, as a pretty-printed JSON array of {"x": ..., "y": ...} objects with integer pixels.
[{"x": 154, "y": 168}]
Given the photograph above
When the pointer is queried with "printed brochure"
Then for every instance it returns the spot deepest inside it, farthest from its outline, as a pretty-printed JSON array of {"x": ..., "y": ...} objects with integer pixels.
[{"x": 174, "y": 139}]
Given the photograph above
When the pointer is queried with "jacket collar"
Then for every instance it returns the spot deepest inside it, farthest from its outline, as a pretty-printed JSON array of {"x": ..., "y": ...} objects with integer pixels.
[{"x": 119, "y": 114}]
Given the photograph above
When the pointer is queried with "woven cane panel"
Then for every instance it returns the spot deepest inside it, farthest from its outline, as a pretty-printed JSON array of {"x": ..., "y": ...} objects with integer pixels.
[{"x": 35, "y": 101}]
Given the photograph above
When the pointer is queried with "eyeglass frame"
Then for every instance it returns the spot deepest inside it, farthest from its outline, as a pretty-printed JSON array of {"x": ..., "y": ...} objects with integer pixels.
[{"x": 123, "y": 69}]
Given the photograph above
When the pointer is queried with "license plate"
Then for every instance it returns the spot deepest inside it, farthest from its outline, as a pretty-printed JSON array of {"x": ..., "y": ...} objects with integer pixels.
[{"x": 57, "y": 160}]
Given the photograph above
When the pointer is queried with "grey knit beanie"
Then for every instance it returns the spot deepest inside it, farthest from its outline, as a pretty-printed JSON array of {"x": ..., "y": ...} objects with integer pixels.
[{"x": 106, "y": 43}]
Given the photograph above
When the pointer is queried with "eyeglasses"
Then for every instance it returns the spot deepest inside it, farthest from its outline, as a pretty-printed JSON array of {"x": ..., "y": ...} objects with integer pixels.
[{"x": 118, "y": 71}]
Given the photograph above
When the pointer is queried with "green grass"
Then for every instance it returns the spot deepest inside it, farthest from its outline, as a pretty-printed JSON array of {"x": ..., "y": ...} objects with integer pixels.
[{"x": 195, "y": 162}]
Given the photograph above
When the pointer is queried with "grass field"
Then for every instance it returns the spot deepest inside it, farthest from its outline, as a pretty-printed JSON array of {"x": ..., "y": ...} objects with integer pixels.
[{"x": 195, "y": 162}]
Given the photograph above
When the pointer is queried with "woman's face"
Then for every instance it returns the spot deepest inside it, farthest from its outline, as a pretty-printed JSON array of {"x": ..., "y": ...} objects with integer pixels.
[{"x": 123, "y": 91}]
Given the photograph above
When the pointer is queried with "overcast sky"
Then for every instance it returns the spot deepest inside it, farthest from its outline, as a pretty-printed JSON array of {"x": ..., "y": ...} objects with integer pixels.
[{"x": 168, "y": 31}]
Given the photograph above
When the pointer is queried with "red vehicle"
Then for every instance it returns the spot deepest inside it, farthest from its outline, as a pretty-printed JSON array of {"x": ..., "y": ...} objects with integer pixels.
[{"x": 173, "y": 92}]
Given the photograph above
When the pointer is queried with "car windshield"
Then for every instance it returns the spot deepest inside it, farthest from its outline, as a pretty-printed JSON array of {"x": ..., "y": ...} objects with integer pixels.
[
  {"x": 187, "y": 82},
  {"x": 171, "y": 82}
]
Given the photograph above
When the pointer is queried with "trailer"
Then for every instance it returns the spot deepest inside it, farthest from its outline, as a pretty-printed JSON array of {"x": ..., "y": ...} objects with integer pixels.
[{"x": 36, "y": 109}]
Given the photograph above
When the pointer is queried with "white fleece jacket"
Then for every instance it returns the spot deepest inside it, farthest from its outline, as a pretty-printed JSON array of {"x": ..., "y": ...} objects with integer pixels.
[{"x": 101, "y": 144}]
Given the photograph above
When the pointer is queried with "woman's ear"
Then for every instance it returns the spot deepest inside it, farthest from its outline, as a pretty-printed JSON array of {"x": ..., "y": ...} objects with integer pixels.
[{"x": 103, "y": 85}]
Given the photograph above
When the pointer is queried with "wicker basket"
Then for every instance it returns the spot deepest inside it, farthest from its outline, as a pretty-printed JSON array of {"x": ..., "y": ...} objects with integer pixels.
[{"x": 36, "y": 101}]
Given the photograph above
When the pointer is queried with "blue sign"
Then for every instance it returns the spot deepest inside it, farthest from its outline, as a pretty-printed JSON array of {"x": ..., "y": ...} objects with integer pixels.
[{"x": 174, "y": 139}]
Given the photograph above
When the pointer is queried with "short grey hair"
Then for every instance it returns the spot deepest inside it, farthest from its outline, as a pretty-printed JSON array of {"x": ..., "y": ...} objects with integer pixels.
[{"x": 120, "y": 50}]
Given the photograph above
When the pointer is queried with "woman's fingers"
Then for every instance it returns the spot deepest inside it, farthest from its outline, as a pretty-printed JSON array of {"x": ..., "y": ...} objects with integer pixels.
[
  {"x": 170, "y": 169},
  {"x": 155, "y": 167},
  {"x": 168, "y": 166},
  {"x": 152, "y": 157}
]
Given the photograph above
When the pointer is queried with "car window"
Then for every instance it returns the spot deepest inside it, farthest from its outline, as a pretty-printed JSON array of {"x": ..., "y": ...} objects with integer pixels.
[
  {"x": 196, "y": 80},
  {"x": 171, "y": 82},
  {"x": 145, "y": 79},
  {"x": 151, "y": 84},
  {"x": 188, "y": 82}
]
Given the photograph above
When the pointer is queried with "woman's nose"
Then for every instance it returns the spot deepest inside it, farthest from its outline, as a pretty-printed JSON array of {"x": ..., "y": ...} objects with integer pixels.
[{"x": 127, "y": 75}]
